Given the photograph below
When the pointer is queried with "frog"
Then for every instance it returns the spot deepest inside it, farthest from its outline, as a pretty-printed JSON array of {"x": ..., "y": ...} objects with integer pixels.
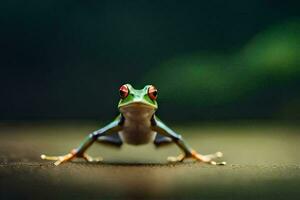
[{"x": 136, "y": 124}]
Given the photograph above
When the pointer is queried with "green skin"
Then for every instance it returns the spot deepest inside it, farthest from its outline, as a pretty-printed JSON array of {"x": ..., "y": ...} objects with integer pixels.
[{"x": 136, "y": 124}]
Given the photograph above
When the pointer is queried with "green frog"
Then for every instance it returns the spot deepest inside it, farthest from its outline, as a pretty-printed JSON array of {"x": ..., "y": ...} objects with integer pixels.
[{"x": 136, "y": 124}]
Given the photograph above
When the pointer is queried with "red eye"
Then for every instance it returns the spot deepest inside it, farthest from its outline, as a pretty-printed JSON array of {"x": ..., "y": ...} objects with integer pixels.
[
  {"x": 124, "y": 91},
  {"x": 152, "y": 92}
]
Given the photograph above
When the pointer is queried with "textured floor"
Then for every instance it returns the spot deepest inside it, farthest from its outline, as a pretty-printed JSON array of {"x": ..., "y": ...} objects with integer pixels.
[{"x": 263, "y": 163}]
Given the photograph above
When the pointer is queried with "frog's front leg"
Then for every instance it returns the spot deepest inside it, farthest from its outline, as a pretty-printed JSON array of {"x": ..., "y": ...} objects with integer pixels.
[
  {"x": 80, "y": 151},
  {"x": 188, "y": 152}
]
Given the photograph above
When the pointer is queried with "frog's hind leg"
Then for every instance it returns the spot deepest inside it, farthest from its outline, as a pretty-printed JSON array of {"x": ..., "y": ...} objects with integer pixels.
[
  {"x": 160, "y": 140},
  {"x": 113, "y": 140}
]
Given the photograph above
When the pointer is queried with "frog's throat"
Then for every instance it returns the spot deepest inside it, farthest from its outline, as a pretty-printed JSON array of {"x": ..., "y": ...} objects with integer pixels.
[{"x": 137, "y": 108}]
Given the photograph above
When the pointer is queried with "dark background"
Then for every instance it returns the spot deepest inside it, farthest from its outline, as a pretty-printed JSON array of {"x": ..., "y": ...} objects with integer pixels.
[{"x": 211, "y": 60}]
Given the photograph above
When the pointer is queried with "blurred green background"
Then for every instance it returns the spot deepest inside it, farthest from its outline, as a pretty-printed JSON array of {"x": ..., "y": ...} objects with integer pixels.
[
  {"x": 210, "y": 60},
  {"x": 228, "y": 64}
]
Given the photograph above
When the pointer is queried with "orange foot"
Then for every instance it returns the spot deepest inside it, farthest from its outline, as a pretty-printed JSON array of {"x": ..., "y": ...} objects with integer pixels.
[
  {"x": 69, "y": 157},
  {"x": 198, "y": 157}
]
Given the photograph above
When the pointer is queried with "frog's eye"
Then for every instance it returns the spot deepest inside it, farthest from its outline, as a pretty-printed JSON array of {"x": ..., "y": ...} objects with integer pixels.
[
  {"x": 123, "y": 91},
  {"x": 152, "y": 92}
]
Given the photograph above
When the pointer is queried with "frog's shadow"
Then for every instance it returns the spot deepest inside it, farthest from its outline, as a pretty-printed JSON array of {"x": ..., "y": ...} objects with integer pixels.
[{"x": 137, "y": 164}]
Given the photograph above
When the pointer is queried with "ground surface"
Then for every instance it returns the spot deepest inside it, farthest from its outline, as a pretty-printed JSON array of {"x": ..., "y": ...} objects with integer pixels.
[{"x": 263, "y": 163}]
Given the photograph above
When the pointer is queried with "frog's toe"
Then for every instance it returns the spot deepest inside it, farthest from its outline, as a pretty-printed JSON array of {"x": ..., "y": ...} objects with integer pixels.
[
  {"x": 91, "y": 159},
  {"x": 58, "y": 159},
  {"x": 209, "y": 159},
  {"x": 217, "y": 163},
  {"x": 179, "y": 158},
  {"x": 65, "y": 158},
  {"x": 214, "y": 155},
  {"x": 44, "y": 157}
]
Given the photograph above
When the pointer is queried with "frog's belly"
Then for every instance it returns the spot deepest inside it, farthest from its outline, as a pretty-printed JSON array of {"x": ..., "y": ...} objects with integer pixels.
[
  {"x": 137, "y": 125},
  {"x": 137, "y": 131},
  {"x": 137, "y": 135}
]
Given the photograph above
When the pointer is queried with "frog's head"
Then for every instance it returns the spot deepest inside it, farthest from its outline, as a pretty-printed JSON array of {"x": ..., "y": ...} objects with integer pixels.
[{"x": 132, "y": 98}]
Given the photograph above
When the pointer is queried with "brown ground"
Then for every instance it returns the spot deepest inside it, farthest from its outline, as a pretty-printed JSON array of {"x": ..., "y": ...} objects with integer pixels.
[{"x": 263, "y": 163}]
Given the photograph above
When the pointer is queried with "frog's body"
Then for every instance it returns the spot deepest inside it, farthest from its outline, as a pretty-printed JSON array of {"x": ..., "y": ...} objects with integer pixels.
[{"x": 137, "y": 124}]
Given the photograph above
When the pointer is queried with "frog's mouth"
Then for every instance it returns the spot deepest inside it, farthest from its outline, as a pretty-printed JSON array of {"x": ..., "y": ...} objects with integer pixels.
[
  {"x": 136, "y": 107},
  {"x": 138, "y": 104}
]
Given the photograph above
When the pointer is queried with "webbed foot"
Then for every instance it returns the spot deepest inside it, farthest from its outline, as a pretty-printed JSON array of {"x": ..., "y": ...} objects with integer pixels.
[
  {"x": 209, "y": 159},
  {"x": 70, "y": 156}
]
